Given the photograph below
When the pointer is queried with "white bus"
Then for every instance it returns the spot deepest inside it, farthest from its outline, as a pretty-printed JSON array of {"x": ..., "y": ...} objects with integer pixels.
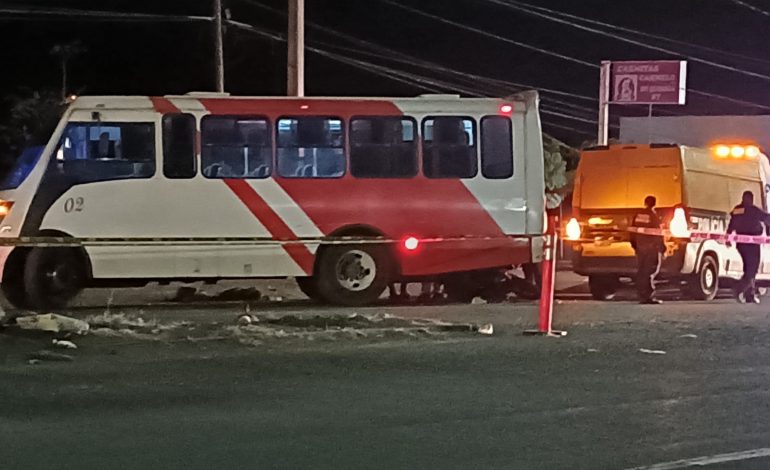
[{"x": 208, "y": 174}]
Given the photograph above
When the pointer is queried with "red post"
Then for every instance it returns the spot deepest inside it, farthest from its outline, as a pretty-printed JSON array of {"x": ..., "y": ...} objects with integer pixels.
[{"x": 548, "y": 282}]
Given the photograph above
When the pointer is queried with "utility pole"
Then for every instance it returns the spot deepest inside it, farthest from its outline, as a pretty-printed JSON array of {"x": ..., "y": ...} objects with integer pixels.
[
  {"x": 296, "y": 43},
  {"x": 604, "y": 103},
  {"x": 65, "y": 52},
  {"x": 219, "y": 48}
]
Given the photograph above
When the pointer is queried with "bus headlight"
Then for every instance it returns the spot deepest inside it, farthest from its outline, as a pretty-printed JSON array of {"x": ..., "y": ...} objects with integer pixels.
[
  {"x": 5, "y": 208},
  {"x": 573, "y": 229}
]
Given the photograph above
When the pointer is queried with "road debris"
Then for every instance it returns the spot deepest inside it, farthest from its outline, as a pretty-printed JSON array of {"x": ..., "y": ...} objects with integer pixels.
[
  {"x": 478, "y": 301},
  {"x": 45, "y": 355},
  {"x": 651, "y": 351},
  {"x": 53, "y": 322},
  {"x": 193, "y": 294},
  {"x": 64, "y": 344},
  {"x": 689, "y": 335},
  {"x": 487, "y": 329},
  {"x": 247, "y": 319},
  {"x": 592, "y": 350}
]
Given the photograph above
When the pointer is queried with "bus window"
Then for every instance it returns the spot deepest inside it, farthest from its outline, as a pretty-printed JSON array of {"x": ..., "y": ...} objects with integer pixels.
[
  {"x": 91, "y": 151},
  {"x": 383, "y": 147},
  {"x": 179, "y": 146},
  {"x": 496, "y": 147},
  {"x": 236, "y": 147},
  {"x": 310, "y": 147},
  {"x": 449, "y": 147}
]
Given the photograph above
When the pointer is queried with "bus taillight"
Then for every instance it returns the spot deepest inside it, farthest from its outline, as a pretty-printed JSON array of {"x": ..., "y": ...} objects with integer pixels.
[
  {"x": 411, "y": 243},
  {"x": 506, "y": 109}
]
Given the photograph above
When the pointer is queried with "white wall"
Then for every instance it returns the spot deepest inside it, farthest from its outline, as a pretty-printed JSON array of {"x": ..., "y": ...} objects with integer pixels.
[{"x": 696, "y": 131}]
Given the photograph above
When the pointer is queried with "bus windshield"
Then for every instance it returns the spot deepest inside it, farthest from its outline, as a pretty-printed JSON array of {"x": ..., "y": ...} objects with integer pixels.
[{"x": 23, "y": 167}]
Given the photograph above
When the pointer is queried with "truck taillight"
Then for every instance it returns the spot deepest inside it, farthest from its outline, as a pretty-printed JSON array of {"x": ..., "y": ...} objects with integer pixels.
[
  {"x": 678, "y": 225},
  {"x": 573, "y": 230}
]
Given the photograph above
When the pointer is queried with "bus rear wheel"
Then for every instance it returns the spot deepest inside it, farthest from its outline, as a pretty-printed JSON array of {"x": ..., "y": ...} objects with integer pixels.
[
  {"x": 603, "y": 287},
  {"x": 704, "y": 284},
  {"x": 53, "y": 276},
  {"x": 353, "y": 275}
]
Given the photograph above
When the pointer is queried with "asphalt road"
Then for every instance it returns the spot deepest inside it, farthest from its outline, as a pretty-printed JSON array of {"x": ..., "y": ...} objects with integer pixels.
[{"x": 590, "y": 400}]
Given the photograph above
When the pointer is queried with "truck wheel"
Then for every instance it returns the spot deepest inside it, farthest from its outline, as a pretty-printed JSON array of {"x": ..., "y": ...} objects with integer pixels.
[
  {"x": 704, "y": 284},
  {"x": 353, "y": 275},
  {"x": 603, "y": 287},
  {"x": 309, "y": 287},
  {"x": 53, "y": 276}
]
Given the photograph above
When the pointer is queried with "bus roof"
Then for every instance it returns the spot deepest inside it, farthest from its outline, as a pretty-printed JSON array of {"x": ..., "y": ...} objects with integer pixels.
[{"x": 193, "y": 100}]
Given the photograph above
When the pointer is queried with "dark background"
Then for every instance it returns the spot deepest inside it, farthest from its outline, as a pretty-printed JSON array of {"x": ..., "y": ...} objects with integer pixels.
[{"x": 171, "y": 58}]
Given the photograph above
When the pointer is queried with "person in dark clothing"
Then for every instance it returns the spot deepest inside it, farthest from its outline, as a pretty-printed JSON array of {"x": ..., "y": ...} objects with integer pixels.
[
  {"x": 649, "y": 251},
  {"x": 748, "y": 219}
]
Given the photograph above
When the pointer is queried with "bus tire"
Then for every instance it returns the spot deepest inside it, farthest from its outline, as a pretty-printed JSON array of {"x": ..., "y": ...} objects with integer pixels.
[
  {"x": 603, "y": 286},
  {"x": 309, "y": 287},
  {"x": 353, "y": 275},
  {"x": 53, "y": 276},
  {"x": 704, "y": 284},
  {"x": 13, "y": 279}
]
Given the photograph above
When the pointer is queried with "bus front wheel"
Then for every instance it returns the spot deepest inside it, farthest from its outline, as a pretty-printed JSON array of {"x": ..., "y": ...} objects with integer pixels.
[
  {"x": 353, "y": 275},
  {"x": 53, "y": 276}
]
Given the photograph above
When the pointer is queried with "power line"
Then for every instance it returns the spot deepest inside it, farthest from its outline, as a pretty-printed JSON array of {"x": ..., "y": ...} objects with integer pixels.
[
  {"x": 93, "y": 15},
  {"x": 401, "y": 76},
  {"x": 381, "y": 52},
  {"x": 571, "y": 59},
  {"x": 487, "y": 34},
  {"x": 712, "y": 50},
  {"x": 412, "y": 60},
  {"x": 751, "y": 7},
  {"x": 552, "y": 16}
]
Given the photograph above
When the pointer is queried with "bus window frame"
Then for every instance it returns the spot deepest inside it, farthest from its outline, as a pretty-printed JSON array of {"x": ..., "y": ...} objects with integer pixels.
[
  {"x": 157, "y": 138},
  {"x": 273, "y": 145},
  {"x": 476, "y": 145},
  {"x": 345, "y": 146},
  {"x": 511, "y": 143},
  {"x": 416, "y": 143},
  {"x": 162, "y": 153}
]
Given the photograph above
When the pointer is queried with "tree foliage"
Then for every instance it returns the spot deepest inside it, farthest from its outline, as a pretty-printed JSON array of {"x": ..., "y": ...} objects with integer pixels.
[{"x": 30, "y": 120}]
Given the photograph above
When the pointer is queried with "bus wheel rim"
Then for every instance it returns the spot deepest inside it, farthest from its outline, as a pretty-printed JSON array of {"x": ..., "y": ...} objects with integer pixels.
[{"x": 356, "y": 270}]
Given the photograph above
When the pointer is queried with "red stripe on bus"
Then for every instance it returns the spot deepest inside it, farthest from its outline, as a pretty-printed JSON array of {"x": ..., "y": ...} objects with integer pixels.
[
  {"x": 163, "y": 105},
  {"x": 274, "y": 224}
]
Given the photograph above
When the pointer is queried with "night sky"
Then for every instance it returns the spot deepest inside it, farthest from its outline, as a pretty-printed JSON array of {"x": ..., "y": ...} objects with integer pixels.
[{"x": 172, "y": 58}]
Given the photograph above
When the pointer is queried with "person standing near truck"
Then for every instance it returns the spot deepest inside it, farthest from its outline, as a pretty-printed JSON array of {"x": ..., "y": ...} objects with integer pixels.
[
  {"x": 649, "y": 251},
  {"x": 748, "y": 219}
]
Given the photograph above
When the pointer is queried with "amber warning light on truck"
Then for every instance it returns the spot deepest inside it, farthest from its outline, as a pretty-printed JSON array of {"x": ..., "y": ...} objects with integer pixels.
[{"x": 736, "y": 151}]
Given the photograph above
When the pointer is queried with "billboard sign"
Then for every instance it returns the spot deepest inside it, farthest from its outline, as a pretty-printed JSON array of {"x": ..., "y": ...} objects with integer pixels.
[{"x": 648, "y": 82}]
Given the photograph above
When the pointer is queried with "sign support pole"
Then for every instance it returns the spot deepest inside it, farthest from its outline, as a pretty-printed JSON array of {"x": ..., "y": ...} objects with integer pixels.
[{"x": 604, "y": 103}]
